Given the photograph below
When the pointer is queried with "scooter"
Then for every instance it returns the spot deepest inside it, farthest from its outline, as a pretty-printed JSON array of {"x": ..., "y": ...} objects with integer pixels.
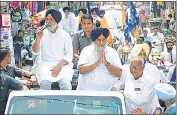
[{"x": 26, "y": 60}]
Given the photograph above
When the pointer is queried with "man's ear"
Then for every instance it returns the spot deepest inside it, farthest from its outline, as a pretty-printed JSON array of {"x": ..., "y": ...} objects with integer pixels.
[{"x": 6, "y": 58}]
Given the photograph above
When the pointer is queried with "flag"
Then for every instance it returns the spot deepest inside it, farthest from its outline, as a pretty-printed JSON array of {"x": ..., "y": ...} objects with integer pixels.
[
  {"x": 133, "y": 20},
  {"x": 136, "y": 33},
  {"x": 80, "y": 16},
  {"x": 123, "y": 14},
  {"x": 160, "y": 3},
  {"x": 104, "y": 23},
  {"x": 127, "y": 34}
]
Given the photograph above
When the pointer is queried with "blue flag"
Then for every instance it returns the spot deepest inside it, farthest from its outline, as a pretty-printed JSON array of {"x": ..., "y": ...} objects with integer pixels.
[
  {"x": 127, "y": 34},
  {"x": 127, "y": 31},
  {"x": 133, "y": 20}
]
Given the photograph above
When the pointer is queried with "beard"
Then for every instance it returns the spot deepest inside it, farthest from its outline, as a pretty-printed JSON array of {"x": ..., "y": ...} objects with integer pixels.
[
  {"x": 99, "y": 49},
  {"x": 52, "y": 27},
  {"x": 169, "y": 49}
]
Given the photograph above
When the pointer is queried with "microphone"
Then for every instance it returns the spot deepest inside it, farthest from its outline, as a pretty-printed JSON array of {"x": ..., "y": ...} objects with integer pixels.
[{"x": 41, "y": 29}]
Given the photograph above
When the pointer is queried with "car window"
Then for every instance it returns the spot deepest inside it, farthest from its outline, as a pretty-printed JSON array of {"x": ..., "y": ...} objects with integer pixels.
[
  {"x": 114, "y": 18},
  {"x": 65, "y": 105}
]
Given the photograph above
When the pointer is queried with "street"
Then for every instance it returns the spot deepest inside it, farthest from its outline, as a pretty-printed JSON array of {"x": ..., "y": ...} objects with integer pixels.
[{"x": 91, "y": 57}]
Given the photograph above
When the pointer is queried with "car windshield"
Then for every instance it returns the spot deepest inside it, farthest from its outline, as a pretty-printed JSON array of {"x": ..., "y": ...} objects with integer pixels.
[
  {"x": 114, "y": 18},
  {"x": 65, "y": 105}
]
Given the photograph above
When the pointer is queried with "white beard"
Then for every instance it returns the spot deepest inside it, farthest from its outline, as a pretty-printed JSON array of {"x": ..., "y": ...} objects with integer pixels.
[
  {"x": 52, "y": 27},
  {"x": 99, "y": 49}
]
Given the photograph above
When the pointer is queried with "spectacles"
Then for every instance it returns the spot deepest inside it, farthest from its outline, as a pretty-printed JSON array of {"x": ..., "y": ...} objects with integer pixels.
[
  {"x": 135, "y": 68},
  {"x": 170, "y": 45}
]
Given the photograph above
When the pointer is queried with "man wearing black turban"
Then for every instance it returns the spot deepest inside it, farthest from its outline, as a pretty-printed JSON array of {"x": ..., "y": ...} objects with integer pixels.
[
  {"x": 101, "y": 13},
  {"x": 99, "y": 64},
  {"x": 66, "y": 8},
  {"x": 53, "y": 17},
  {"x": 95, "y": 14},
  {"x": 56, "y": 52},
  {"x": 69, "y": 21},
  {"x": 84, "y": 11}
]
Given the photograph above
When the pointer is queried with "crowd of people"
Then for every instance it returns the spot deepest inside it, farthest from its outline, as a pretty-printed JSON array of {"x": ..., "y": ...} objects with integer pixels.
[{"x": 61, "y": 51}]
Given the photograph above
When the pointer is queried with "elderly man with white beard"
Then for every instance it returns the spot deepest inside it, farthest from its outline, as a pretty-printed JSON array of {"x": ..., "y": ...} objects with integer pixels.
[
  {"x": 99, "y": 65},
  {"x": 55, "y": 47}
]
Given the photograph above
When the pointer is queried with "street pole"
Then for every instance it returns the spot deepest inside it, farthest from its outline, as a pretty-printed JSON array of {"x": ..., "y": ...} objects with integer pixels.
[{"x": 155, "y": 8}]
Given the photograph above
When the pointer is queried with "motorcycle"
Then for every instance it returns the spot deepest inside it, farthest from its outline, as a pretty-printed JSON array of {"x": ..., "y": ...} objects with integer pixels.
[{"x": 26, "y": 60}]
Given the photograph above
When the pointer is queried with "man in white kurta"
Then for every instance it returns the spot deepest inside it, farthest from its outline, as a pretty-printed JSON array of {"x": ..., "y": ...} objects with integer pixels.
[
  {"x": 157, "y": 35},
  {"x": 68, "y": 22},
  {"x": 143, "y": 50},
  {"x": 139, "y": 91},
  {"x": 168, "y": 57},
  {"x": 101, "y": 76},
  {"x": 55, "y": 46},
  {"x": 95, "y": 15}
]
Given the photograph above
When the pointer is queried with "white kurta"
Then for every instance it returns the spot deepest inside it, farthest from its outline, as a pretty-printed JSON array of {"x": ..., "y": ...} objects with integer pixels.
[
  {"x": 166, "y": 56},
  {"x": 138, "y": 93},
  {"x": 159, "y": 36},
  {"x": 153, "y": 71},
  {"x": 54, "y": 48},
  {"x": 100, "y": 78},
  {"x": 68, "y": 24},
  {"x": 96, "y": 18}
]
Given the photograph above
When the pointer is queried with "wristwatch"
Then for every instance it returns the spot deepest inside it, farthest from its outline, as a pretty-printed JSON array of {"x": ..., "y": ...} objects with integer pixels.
[{"x": 108, "y": 64}]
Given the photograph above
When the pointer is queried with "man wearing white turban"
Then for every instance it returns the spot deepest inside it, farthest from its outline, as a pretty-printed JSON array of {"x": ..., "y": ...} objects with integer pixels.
[{"x": 166, "y": 93}]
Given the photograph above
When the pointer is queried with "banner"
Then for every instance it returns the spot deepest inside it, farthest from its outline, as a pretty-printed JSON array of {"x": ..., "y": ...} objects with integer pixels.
[
  {"x": 5, "y": 21},
  {"x": 123, "y": 14}
]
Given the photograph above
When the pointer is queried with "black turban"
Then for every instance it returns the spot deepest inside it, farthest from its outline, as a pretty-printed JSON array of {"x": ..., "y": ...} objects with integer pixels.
[
  {"x": 96, "y": 32},
  {"x": 84, "y": 11},
  {"x": 66, "y": 8},
  {"x": 102, "y": 12},
  {"x": 3, "y": 53},
  {"x": 55, "y": 14},
  {"x": 95, "y": 9},
  {"x": 97, "y": 23}
]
